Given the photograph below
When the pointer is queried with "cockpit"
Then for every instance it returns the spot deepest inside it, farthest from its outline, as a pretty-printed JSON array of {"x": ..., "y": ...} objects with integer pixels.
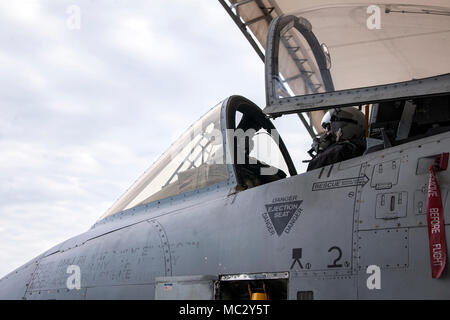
[
  {"x": 233, "y": 144},
  {"x": 391, "y": 62}
]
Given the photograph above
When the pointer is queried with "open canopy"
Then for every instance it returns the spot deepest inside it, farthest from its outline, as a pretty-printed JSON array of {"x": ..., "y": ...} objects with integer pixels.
[
  {"x": 256, "y": 15},
  {"x": 411, "y": 41},
  {"x": 354, "y": 46}
]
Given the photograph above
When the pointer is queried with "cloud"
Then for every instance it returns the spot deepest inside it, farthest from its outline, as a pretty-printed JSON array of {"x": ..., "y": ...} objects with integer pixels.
[
  {"x": 85, "y": 112},
  {"x": 140, "y": 38}
]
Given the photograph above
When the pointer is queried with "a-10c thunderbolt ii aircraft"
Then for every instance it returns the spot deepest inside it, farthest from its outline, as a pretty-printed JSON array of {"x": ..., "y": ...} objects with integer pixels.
[{"x": 223, "y": 214}]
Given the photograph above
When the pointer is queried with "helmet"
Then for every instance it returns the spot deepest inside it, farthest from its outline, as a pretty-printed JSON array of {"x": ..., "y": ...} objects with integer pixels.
[{"x": 345, "y": 123}]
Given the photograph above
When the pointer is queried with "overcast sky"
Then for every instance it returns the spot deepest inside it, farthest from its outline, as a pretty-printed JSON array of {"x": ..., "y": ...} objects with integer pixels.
[{"x": 85, "y": 111}]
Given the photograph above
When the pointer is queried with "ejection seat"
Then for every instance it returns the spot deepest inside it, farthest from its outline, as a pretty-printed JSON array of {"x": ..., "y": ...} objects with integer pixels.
[{"x": 250, "y": 135}]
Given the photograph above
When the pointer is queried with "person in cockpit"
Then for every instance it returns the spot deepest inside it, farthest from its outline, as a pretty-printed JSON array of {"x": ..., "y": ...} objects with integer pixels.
[{"x": 343, "y": 139}]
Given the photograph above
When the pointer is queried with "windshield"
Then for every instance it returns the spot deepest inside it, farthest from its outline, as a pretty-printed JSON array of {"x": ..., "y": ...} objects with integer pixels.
[
  {"x": 194, "y": 161},
  {"x": 345, "y": 47}
]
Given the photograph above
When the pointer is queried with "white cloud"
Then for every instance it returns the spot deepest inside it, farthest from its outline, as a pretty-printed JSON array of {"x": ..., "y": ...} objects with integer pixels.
[
  {"x": 24, "y": 12},
  {"x": 73, "y": 59},
  {"x": 85, "y": 113},
  {"x": 33, "y": 16},
  {"x": 140, "y": 38}
]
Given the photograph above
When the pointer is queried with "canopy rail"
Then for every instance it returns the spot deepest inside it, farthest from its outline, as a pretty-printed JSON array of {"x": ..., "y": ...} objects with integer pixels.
[{"x": 437, "y": 85}]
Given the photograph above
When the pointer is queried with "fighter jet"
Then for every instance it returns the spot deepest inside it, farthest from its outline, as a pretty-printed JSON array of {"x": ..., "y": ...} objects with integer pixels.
[{"x": 223, "y": 214}]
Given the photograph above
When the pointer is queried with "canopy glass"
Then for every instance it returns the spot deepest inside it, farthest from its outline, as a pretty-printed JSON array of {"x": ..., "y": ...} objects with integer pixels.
[
  {"x": 344, "y": 47},
  {"x": 194, "y": 161}
]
